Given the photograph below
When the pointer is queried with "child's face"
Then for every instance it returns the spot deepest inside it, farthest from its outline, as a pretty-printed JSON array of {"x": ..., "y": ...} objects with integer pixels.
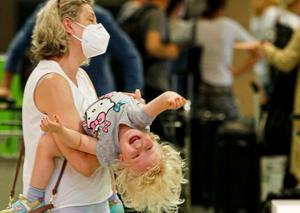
[{"x": 138, "y": 150}]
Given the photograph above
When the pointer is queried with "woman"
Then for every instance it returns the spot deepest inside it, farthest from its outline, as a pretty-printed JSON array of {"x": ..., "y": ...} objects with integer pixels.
[
  {"x": 286, "y": 59},
  {"x": 217, "y": 35},
  {"x": 65, "y": 35}
]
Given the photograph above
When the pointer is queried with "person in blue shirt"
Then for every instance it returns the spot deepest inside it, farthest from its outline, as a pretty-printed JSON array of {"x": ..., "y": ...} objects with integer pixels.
[{"x": 120, "y": 48}]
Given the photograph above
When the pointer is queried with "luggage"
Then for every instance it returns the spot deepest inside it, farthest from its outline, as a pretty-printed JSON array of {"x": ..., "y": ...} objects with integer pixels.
[
  {"x": 203, "y": 136},
  {"x": 236, "y": 170}
]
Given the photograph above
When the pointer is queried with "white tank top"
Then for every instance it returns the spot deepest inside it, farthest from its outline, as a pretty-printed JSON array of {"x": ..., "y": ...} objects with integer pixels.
[{"x": 74, "y": 189}]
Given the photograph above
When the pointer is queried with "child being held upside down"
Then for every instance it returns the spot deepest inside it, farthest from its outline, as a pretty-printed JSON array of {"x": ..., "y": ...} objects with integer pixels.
[{"x": 148, "y": 173}]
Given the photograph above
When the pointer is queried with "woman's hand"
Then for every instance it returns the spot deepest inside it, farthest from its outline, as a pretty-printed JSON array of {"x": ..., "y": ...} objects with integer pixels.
[{"x": 136, "y": 95}]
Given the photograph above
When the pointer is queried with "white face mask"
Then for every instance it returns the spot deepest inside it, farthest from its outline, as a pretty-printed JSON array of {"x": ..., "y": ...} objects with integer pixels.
[{"x": 94, "y": 39}]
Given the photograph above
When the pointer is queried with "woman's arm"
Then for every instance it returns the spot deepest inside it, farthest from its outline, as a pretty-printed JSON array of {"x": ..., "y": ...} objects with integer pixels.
[
  {"x": 155, "y": 47},
  {"x": 84, "y": 163},
  {"x": 167, "y": 100},
  {"x": 72, "y": 138},
  {"x": 53, "y": 96},
  {"x": 285, "y": 59},
  {"x": 254, "y": 55},
  {"x": 248, "y": 45},
  {"x": 248, "y": 63}
]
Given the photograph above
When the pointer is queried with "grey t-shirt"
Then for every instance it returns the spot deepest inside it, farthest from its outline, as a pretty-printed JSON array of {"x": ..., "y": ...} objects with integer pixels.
[
  {"x": 103, "y": 118},
  {"x": 158, "y": 73}
]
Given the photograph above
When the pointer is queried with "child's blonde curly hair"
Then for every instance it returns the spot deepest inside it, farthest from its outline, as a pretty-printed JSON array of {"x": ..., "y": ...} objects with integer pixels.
[{"x": 156, "y": 190}]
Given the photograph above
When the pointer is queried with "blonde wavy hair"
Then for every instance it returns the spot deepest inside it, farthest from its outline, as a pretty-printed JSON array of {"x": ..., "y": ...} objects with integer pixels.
[
  {"x": 158, "y": 189},
  {"x": 49, "y": 36}
]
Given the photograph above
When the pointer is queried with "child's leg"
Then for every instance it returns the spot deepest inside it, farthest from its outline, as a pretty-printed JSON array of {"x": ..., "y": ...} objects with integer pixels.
[
  {"x": 43, "y": 167},
  {"x": 42, "y": 171}
]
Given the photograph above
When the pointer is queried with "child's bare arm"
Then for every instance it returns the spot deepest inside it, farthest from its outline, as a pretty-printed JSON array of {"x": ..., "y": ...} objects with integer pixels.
[
  {"x": 44, "y": 162},
  {"x": 69, "y": 137},
  {"x": 167, "y": 100}
]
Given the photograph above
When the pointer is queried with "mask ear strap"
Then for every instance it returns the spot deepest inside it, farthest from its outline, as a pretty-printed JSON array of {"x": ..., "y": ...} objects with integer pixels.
[
  {"x": 77, "y": 38},
  {"x": 81, "y": 25}
]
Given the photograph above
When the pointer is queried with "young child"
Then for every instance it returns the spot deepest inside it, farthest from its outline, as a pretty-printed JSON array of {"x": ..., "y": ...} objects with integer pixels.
[{"x": 148, "y": 174}]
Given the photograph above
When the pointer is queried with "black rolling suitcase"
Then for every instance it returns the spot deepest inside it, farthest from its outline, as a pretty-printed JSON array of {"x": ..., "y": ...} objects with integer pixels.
[
  {"x": 203, "y": 136},
  {"x": 236, "y": 170}
]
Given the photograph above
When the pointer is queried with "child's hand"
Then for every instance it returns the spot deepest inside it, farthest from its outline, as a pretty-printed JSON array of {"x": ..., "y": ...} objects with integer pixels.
[
  {"x": 175, "y": 100},
  {"x": 49, "y": 125}
]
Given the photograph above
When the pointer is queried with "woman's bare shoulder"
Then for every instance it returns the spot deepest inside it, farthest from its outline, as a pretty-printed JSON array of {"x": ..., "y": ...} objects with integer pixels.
[
  {"x": 52, "y": 91},
  {"x": 52, "y": 80}
]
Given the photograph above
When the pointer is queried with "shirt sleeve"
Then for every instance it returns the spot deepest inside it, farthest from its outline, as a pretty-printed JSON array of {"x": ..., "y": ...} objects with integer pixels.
[
  {"x": 241, "y": 34},
  {"x": 155, "y": 21},
  {"x": 104, "y": 153},
  {"x": 138, "y": 117}
]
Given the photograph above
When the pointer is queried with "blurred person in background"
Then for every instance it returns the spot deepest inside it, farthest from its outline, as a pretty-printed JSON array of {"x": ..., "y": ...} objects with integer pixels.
[
  {"x": 269, "y": 16},
  {"x": 276, "y": 24},
  {"x": 217, "y": 35},
  {"x": 283, "y": 133},
  {"x": 128, "y": 8},
  {"x": 286, "y": 59}
]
